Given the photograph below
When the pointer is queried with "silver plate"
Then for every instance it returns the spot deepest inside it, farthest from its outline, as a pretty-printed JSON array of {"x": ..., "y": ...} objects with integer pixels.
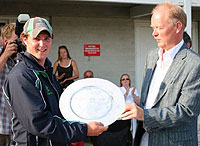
[{"x": 92, "y": 99}]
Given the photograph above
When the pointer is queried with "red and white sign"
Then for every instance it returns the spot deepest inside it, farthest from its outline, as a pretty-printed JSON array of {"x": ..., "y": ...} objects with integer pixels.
[{"x": 92, "y": 50}]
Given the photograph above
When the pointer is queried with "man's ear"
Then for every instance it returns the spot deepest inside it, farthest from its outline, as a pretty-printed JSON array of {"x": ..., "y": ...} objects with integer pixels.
[
  {"x": 25, "y": 43},
  {"x": 179, "y": 26},
  {"x": 4, "y": 40},
  {"x": 24, "y": 39}
]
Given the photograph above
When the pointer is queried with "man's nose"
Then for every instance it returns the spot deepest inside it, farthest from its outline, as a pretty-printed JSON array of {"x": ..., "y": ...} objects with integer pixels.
[
  {"x": 154, "y": 33},
  {"x": 41, "y": 42}
]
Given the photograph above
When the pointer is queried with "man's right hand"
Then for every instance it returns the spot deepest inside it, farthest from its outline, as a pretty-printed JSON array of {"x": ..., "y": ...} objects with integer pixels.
[
  {"x": 10, "y": 48},
  {"x": 95, "y": 128},
  {"x": 132, "y": 110}
]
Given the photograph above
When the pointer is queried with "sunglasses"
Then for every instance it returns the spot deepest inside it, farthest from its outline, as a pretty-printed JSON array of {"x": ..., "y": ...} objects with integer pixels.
[{"x": 125, "y": 79}]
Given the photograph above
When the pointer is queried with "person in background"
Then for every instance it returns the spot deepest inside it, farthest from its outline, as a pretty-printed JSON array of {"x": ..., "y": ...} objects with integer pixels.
[
  {"x": 119, "y": 132},
  {"x": 131, "y": 96},
  {"x": 130, "y": 93},
  {"x": 170, "y": 97},
  {"x": 1, "y": 40},
  {"x": 32, "y": 93},
  {"x": 187, "y": 39},
  {"x": 88, "y": 74},
  {"x": 6, "y": 63},
  {"x": 66, "y": 67}
]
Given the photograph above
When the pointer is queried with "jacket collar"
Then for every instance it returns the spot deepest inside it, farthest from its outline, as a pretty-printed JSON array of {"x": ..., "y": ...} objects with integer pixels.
[
  {"x": 32, "y": 62},
  {"x": 179, "y": 60},
  {"x": 174, "y": 69}
]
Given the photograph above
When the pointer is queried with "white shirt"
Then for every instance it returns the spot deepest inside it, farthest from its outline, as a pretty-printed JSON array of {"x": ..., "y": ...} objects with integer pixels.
[{"x": 158, "y": 76}]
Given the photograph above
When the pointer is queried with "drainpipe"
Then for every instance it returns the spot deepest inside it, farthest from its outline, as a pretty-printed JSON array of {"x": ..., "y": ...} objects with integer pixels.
[{"x": 187, "y": 6}]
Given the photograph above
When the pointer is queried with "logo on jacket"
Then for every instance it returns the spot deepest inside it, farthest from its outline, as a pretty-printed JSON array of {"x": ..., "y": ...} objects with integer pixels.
[{"x": 48, "y": 90}]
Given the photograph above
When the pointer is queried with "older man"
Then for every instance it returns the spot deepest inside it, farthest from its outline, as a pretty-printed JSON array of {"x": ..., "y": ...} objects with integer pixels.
[{"x": 170, "y": 98}]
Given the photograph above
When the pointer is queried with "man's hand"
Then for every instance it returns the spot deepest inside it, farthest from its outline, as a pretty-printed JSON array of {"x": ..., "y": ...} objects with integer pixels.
[
  {"x": 133, "y": 111},
  {"x": 10, "y": 48},
  {"x": 95, "y": 128}
]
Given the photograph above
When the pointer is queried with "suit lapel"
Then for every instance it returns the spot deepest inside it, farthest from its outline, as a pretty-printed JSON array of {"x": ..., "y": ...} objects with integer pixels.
[
  {"x": 151, "y": 65},
  {"x": 174, "y": 69}
]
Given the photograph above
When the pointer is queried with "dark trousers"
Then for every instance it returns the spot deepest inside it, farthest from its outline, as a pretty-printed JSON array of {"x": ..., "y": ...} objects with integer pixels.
[
  {"x": 4, "y": 140},
  {"x": 139, "y": 133},
  {"x": 118, "y": 134}
]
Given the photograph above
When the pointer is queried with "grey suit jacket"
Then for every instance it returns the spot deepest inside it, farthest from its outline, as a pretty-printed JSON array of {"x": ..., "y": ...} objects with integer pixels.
[{"x": 172, "y": 121}]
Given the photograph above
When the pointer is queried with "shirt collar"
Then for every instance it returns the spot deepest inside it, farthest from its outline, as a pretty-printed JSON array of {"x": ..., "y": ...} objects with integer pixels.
[{"x": 171, "y": 52}]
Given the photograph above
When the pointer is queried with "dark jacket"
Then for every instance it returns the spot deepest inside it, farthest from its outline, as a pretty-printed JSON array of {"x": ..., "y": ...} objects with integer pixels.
[{"x": 33, "y": 93}]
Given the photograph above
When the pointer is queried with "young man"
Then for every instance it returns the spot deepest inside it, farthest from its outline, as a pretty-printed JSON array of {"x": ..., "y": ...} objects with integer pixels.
[
  {"x": 33, "y": 93},
  {"x": 6, "y": 63},
  {"x": 170, "y": 102}
]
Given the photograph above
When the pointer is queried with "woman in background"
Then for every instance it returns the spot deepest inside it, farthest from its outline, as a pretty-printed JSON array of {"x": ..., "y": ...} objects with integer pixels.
[
  {"x": 130, "y": 95},
  {"x": 66, "y": 67},
  {"x": 67, "y": 72},
  {"x": 119, "y": 133}
]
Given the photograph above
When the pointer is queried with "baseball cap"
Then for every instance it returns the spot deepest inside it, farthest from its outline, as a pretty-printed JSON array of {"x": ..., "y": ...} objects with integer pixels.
[{"x": 35, "y": 25}]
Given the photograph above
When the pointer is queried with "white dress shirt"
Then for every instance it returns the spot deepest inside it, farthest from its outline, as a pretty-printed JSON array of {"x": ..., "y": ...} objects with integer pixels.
[{"x": 158, "y": 76}]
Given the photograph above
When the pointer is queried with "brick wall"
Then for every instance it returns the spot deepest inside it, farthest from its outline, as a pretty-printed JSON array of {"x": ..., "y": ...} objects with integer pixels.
[{"x": 116, "y": 39}]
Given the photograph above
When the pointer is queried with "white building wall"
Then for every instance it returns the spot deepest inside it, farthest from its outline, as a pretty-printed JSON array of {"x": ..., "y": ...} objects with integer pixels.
[{"x": 115, "y": 37}]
